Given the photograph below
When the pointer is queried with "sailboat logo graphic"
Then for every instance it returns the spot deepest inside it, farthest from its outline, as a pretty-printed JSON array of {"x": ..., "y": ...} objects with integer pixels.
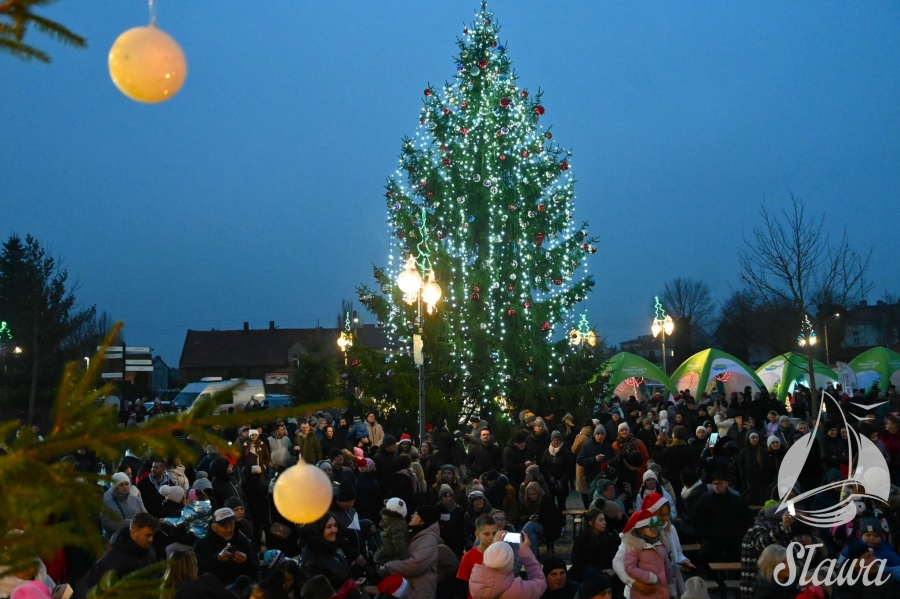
[{"x": 867, "y": 470}]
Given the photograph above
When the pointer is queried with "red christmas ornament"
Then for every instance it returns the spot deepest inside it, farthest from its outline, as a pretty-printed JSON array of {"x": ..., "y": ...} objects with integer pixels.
[
  {"x": 430, "y": 192},
  {"x": 423, "y": 183},
  {"x": 504, "y": 102},
  {"x": 493, "y": 44},
  {"x": 585, "y": 246},
  {"x": 443, "y": 148},
  {"x": 512, "y": 207},
  {"x": 464, "y": 131},
  {"x": 525, "y": 154},
  {"x": 563, "y": 166},
  {"x": 502, "y": 156},
  {"x": 538, "y": 110},
  {"x": 482, "y": 63},
  {"x": 548, "y": 135},
  {"x": 510, "y": 287},
  {"x": 499, "y": 133},
  {"x": 524, "y": 93},
  {"x": 540, "y": 207},
  {"x": 446, "y": 162},
  {"x": 545, "y": 327},
  {"x": 466, "y": 31},
  {"x": 511, "y": 312},
  {"x": 377, "y": 274},
  {"x": 446, "y": 111},
  {"x": 557, "y": 281},
  {"x": 476, "y": 288},
  {"x": 475, "y": 297},
  {"x": 428, "y": 92},
  {"x": 527, "y": 304},
  {"x": 422, "y": 122},
  {"x": 539, "y": 236},
  {"x": 355, "y": 363},
  {"x": 440, "y": 234},
  {"x": 388, "y": 194},
  {"x": 464, "y": 104}
]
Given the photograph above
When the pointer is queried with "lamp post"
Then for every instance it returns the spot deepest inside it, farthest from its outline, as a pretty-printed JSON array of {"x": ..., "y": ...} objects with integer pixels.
[
  {"x": 662, "y": 324},
  {"x": 419, "y": 291},
  {"x": 807, "y": 340},
  {"x": 825, "y": 324}
]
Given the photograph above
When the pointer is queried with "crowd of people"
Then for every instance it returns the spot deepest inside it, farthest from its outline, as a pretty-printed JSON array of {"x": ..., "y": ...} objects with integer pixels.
[{"x": 462, "y": 515}]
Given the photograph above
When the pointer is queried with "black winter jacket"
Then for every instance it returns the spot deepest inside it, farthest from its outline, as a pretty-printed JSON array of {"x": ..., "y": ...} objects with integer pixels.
[
  {"x": 208, "y": 548},
  {"x": 124, "y": 557}
]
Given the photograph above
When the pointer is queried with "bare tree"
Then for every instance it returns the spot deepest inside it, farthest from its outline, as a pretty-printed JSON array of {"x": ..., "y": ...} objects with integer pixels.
[
  {"x": 791, "y": 260},
  {"x": 690, "y": 304}
]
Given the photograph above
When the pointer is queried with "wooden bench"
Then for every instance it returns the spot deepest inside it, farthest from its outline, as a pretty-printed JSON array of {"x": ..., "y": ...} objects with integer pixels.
[
  {"x": 372, "y": 591},
  {"x": 577, "y": 519},
  {"x": 690, "y": 547},
  {"x": 720, "y": 570}
]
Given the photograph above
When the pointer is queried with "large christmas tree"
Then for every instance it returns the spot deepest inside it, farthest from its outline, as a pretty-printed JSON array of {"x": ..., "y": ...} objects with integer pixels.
[{"x": 488, "y": 207}]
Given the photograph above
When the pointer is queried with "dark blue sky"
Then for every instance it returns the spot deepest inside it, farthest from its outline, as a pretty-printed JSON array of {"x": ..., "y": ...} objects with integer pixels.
[{"x": 256, "y": 193}]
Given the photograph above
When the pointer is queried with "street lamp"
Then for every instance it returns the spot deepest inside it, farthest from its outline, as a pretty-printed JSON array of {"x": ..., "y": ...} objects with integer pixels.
[
  {"x": 825, "y": 324},
  {"x": 416, "y": 291},
  {"x": 17, "y": 350},
  {"x": 87, "y": 363},
  {"x": 664, "y": 324}
]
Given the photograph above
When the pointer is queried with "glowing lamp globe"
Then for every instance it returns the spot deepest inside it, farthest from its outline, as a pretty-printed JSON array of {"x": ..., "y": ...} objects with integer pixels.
[
  {"x": 431, "y": 292},
  {"x": 147, "y": 65},
  {"x": 409, "y": 281},
  {"x": 302, "y": 493}
]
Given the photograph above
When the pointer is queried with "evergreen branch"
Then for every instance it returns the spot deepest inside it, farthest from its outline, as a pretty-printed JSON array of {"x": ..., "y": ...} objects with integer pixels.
[
  {"x": 57, "y": 31},
  {"x": 23, "y": 51}
]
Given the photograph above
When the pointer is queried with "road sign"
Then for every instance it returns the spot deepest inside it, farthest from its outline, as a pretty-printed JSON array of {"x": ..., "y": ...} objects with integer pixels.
[
  {"x": 111, "y": 375},
  {"x": 138, "y": 369},
  {"x": 139, "y": 362},
  {"x": 138, "y": 349},
  {"x": 110, "y": 348},
  {"x": 117, "y": 356}
]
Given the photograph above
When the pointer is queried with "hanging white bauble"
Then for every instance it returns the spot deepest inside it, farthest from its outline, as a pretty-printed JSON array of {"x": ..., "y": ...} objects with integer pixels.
[
  {"x": 147, "y": 64},
  {"x": 302, "y": 493}
]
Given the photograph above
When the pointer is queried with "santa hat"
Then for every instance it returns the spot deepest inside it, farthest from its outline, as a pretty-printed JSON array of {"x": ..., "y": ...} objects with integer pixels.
[
  {"x": 638, "y": 519},
  {"x": 405, "y": 437},
  {"x": 393, "y": 585},
  {"x": 653, "y": 502}
]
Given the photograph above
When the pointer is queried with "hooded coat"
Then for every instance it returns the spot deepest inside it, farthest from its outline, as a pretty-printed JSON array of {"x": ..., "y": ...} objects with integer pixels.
[
  {"x": 487, "y": 583},
  {"x": 322, "y": 557},
  {"x": 224, "y": 486},
  {"x": 125, "y": 556},
  {"x": 421, "y": 566}
]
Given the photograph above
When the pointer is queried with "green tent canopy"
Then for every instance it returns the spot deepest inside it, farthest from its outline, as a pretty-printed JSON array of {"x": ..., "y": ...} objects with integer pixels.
[
  {"x": 624, "y": 366},
  {"x": 713, "y": 368},
  {"x": 877, "y": 365},
  {"x": 781, "y": 372}
]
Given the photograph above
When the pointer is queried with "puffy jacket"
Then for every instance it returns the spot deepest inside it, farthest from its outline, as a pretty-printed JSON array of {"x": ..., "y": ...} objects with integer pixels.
[
  {"x": 483, "y": 457},
  {"x": 487, "y": 583},
  {"x": 279, "y": 449},
  {"x": 649, "y": 564},
  {"x": 420, "y": 568},
  {"x": 376, "y": 433},
  {"x": 194, "y": 518},
  {"x": 177, "y": 478}
]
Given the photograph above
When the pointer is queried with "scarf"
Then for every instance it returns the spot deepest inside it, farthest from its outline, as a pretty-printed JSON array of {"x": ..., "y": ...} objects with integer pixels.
[
  {"x": 639, "y": 533},
  {"x": 675, "y": 442},
  {"x": 448, "y": 505},
  {"x": 554, "y": 450},
  {"x": 628, "y": 445}
]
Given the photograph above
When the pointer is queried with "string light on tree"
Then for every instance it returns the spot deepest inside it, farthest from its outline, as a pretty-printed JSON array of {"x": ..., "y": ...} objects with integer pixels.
[
  {"x": 662, "y": 323},
  {"x": 147, "y": 64},
  {"x": 482, "y": 182}
]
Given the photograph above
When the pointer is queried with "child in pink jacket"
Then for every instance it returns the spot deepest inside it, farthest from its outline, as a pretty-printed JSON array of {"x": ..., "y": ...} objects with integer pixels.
[
  {"x": 646, "y": 558},
  {"x": 494, "y": 577}
]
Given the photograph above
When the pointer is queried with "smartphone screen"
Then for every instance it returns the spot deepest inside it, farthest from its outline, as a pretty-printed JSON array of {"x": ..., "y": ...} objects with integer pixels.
[
  {"x": 713, "y": 438},
  {"x": 513, "y": 537}
]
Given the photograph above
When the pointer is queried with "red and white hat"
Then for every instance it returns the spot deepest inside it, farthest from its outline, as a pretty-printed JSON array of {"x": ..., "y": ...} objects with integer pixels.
[
  {"x": 653, "y": 502},
  {"x": 404, "y": 438},
  {"x": 639, "y": 519},
  {"x": 393, "y": 585}
]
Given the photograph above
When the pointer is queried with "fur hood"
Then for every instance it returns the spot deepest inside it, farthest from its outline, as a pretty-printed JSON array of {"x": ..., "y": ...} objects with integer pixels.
[{"x": 632, "y": 542}]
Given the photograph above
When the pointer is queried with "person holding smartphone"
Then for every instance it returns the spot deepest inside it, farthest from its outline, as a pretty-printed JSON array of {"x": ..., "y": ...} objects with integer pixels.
[{"x": 224, "y": 552}]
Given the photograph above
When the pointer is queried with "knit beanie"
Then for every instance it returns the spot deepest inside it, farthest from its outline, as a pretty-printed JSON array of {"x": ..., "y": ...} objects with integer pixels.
[
  {"x": 369, "y": 467},
  {"x": 624, "y": 427},
  {"x": 233, "y": 502},
  {"x": 499, "y": 557},
  {"x": 556, "y": 435},
  {"x": 430, "y": 514},
  {"x": 202, "y": 484},
  {"x": 772, "y": 439},
  {"x": 175, "y": 494},
  {"x": 552, "y": 563},
  {"x": 388, "y": 441},
  {"x": 600, "y": 430},
  {"x": 32, "y": 590},
  {"x": 593, "y": 583},
  {"x": 534, "y": 470},
  {"x": 650, "y": 474},
  {"x": 444, "y": 490},
  {"x": 120, "y": 477},
  {"x": 695, "y": 588}
]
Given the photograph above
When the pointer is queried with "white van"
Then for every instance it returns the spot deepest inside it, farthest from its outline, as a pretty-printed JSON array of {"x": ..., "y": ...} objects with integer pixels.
[{"x": 252, "y": 388}]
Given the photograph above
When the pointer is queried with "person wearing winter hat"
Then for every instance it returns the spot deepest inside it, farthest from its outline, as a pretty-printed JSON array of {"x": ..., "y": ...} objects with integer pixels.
[
  {"x": 516, "y": 457},
  {"x": 376, "y": 432},
  {"x": 173, "y": 494},
  {"x": 773, "y": 440},
  {"x": 393, "y": 587},
  {"x": 558, "y": 463},
  {"x": 394, "y": 532},
  {"x": 559, "y": 586},
  {"x": 420, "y": 567},
  {"x": 10, "y": 582},
  {"x": 494, "y": 577},
  {"x": 384, "y": 458},
  {"x": 646, "y": 559},
  {"x": 595, "y": 585},
  {"x": 592, "y": 457},
  {"x": 120, "y": 505},
  {"x": 695, "y": 588},
  {"x": 626, "y": 444}
]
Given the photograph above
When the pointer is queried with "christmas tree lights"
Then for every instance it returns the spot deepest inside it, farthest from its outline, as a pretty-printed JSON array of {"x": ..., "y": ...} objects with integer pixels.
[{"x": 488, "y": 197}]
